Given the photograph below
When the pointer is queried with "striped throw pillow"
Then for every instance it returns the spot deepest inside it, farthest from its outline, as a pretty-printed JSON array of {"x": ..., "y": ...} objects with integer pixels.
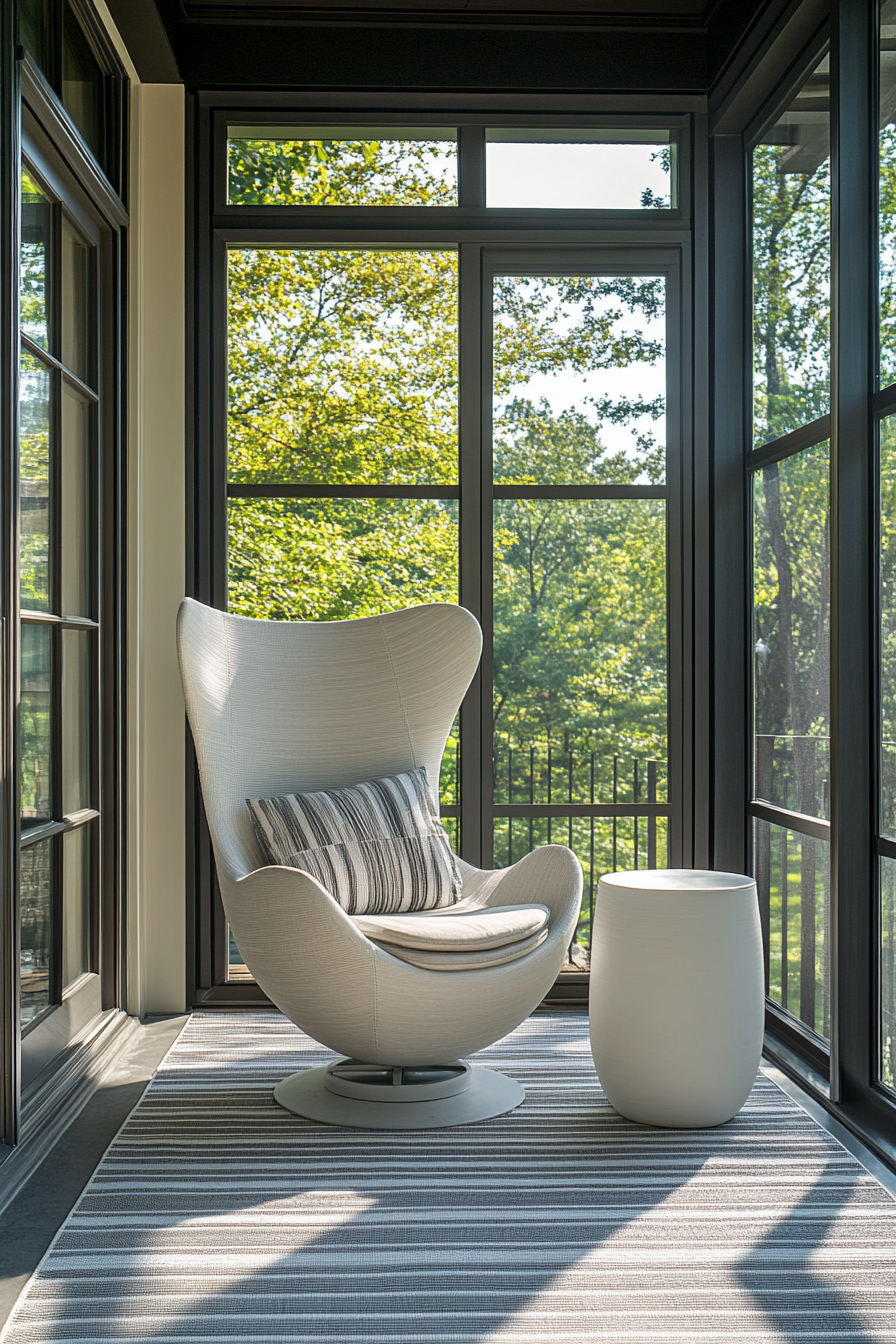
[{"x": 378, "y": 848}]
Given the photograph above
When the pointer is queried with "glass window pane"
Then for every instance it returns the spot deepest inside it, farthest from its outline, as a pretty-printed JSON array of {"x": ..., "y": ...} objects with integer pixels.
[
  {"x": 888, "y": 972},
  {"x": 36, "y": 32},
  {"x": 343, "y": 366},
  {"x": 580, "y": 651},
  {"x": 77, "y": 720},
  {"x": 34, "y": 485},
  {"x": 34, "y": 938},
  {"x": 887, "y": 192},
  {"x": 579, "y": 379},
  {"x": 342, "y": 165},
  {"x": 888, "y": 625},
  {"x": 791, "y": 632},
  {"x": 793, "y": 879},
  {"x": 792, "y": 264},
  {"x": 82, "y": 84},
  {"x": 579, "y": 169},
  {"x": 77, "y": 303},
  {"x": 35, "y": 724},
  {"x": 322, "y": 560},
  {"x": 34, "y": 263},
  {"x": 76, "y": 902},
  {"x": 602, "y": 845},
  {"x": 77, "y": 454}
]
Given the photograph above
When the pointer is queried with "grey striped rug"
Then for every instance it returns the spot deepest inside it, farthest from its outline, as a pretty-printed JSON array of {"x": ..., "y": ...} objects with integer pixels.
[{"x": 217, "y": 1216}]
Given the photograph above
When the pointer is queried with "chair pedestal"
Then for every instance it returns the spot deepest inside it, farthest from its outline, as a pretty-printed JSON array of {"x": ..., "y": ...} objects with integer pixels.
[{"x": 374, "y": 1096}]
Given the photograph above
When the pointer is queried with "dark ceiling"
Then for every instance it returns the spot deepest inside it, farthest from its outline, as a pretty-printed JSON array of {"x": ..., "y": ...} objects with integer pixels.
[{"x": 431, "y": 46}]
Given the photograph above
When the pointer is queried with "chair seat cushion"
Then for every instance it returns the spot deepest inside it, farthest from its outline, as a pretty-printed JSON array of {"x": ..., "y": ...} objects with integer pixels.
[
  {"x": 376, "y": 847},
  {"x": 460, "y": 932},
  {"x": 467, "y": 960}
]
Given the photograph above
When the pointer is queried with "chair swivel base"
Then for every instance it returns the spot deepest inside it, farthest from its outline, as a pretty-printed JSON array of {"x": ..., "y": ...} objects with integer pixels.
[{"x": 373, "y": 1096}]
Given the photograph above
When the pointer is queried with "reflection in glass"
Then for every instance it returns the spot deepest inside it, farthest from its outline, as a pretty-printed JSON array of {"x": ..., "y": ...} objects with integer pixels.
[
  {"x": 76, "y": 903},
  {"x": 579, "y": 169},
  {"x": 77, "y": 719},
  {"x": 77, "y": 420},
  {"x": 343, "y": 366},
  {"x": 34, "y": 256},
  {"x": 34, "y": 485},
  {"x": 793, "y": 879},
  {"x": 792, "y": 264},
  {"x": 320, "y": 560},
  {"x": 602, "y": 845},
  {"x": 35, "y": 724},
  {"x": 887, "y": 145},
  {"x": 341, "y": 165},
  {"x": 236, "y": 967},
  {"x": 82, "y": 84},
  {"x": 888, "y": 625},
  {"x": 77, "y": 303},
  {"x": 791, "y": 631},
  {"x": 580, "y": 651},
  {"x": 34, "y": 936},
  {"x": 579, "y": 379}
]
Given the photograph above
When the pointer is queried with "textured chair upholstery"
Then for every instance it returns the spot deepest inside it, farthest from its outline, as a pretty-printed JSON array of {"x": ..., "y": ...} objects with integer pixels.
[{"x": 279, "y": 707}]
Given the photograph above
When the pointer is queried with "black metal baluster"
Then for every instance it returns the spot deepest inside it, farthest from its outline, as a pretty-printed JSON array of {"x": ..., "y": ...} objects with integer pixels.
[
  {"x": 636, "y": 790},
  {"x": 591, "y": 865},
  {"x": 615, "y": 800},
  {"x": 651, "y": 820},
  {"x": 550, "y": 770},
  {"x": 509, "y": 800},
  {"x": 531, "y": 794}
]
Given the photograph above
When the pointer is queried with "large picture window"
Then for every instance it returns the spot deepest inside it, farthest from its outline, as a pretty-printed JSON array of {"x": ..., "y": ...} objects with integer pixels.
[
  {"x": 791, "y": 566},
  {"x": 414, "y": 416}
]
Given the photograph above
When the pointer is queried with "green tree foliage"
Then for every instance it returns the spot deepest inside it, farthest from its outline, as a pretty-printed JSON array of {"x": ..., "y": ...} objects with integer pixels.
[{"x": 343, "y": 370}]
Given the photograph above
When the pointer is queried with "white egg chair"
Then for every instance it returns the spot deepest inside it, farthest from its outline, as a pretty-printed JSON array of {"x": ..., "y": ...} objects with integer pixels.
[{"x": 282, "y": 707}]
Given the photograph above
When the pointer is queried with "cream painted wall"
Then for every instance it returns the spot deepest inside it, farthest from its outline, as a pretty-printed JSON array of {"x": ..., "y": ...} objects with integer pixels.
[{"x": 156, "y": 975}]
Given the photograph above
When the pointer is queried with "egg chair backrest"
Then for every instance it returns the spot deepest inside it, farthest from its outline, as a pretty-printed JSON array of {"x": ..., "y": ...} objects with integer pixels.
[{"x": 288, "y": 706}]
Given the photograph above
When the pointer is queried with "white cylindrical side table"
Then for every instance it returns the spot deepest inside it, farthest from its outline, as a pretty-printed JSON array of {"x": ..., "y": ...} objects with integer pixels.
[{"x": 677, "y": 999}]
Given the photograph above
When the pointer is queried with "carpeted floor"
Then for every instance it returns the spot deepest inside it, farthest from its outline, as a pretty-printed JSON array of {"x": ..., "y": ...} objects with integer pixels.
[{"x": 217, "y": 1216}]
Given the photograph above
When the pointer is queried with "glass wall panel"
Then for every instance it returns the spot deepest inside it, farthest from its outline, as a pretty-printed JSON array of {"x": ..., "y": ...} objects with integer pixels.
[
  {"x": 76, "y": 903},
  {"x": 888, "y": 972},
  {"x": 793, "y": 879},
  {"x": 34, "y": 936},
  {"x": 77, "y": 720},
  {"x": 792, "y": 264},
  {"x": 579, "y": 380},
  {"x": 77, "y": 304},
  {"x": 35, "y": 252},
  {"x": 342, "y": 165},
  {"x": 77, "y": 458},
  {"x": 579, "y": 169},
  {"x": 580, "y": 650},
  {"x": 82, "y": 84},
  {"x": 331, "y": 559},
  {"x": 342, "y": 367},
  {"x": 34, "y": 484},
  {"x": 791, "y": 631},
  {"x": 35, "y": 724}
]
